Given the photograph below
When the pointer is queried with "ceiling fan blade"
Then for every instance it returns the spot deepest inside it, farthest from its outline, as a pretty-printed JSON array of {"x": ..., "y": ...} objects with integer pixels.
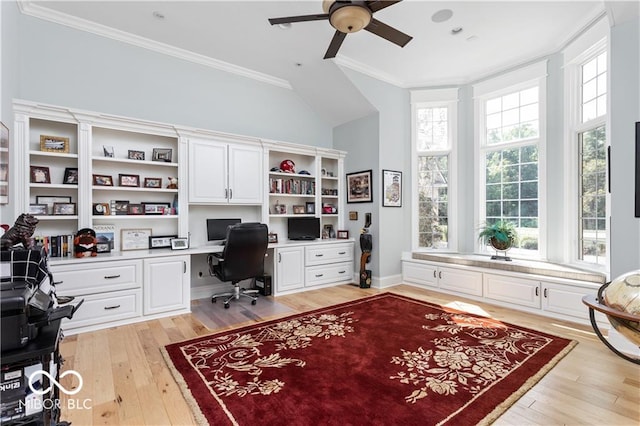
[
  {"x": 336, "y": 42},
  {"x": 376, "y": 5},
  {"x": 389, "y": 33},
  {"x": 302, "y": 18}
]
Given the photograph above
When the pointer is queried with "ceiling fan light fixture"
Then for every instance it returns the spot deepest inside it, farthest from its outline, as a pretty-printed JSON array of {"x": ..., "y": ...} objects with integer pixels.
[{"x": 350, "y": 18}]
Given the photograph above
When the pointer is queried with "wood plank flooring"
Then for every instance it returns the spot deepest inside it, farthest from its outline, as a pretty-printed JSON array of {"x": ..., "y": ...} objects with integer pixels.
[{"x": 129, "y": 383}]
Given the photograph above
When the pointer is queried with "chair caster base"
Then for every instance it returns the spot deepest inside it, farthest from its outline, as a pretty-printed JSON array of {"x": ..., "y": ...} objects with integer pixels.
[
  {"x": 253, "y": 302},
  {"x": 226, "y": 306}
]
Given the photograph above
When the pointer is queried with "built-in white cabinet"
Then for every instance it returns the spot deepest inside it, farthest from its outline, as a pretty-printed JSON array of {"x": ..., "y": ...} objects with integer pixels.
[
  {"x": 166, "y": 284},
  {"x": 224, "y": 173},
  {"x": 289, "y": 269},
  {"x": 551, "y": 296}
]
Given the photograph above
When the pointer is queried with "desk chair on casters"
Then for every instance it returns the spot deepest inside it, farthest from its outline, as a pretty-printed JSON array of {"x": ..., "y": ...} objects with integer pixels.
[{"x": 241, "y": 259}]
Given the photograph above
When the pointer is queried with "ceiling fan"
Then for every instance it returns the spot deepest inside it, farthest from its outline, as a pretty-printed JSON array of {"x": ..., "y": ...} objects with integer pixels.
[{"x": 349, "y": 17}]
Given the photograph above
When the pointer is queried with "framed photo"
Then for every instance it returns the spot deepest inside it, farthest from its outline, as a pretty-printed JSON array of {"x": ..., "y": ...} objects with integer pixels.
[
  {"x": 280, "y": 209},
  {"x": 129, "y": 180},
  {"x": 162, "y": 154},
  {"x": 155, "y": 208},
  {"x": 298, "y": 209},
  {"x": 153, "y": 182},
  {"x": 106, "y": 238},
  {"x": 179, "y": 243},
  {"x": 359, "y": 187},
  {"x": 135, "y": 209},
  {"x": 343, "y": 235},
  {"x": 40, "y": 174},
  {"x": 135, "y": 155},
  {"x": 108, "y": 151},
  {"x": 54, "y": 144},
  {"x": 121, "y": 207},
  {"x": 310, "y": 207},
  {"x": 38, "y": 209},
  {"x": 353, "y": 215},
  {"x": 101, "y": 209},
  {"x": 64, "y": 209},
  {"x": 161, "y": 242},
  {"x": 102, "y": 180},
  {"x": 50, "y": 200},
  {"x": 135, "y": 239},
  {"x": 70, "y": 176},
  {"x": 391, "y": 188},
  {"x": 273, "y": 238}
]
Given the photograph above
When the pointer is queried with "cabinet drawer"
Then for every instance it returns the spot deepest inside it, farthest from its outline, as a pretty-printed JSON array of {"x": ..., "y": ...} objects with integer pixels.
[
  {"x": 102, "y": 308},
  {"x": 331, "y": 253},
  {"x": 100, "y": 277},
  {"x": 335, "y": 273}
]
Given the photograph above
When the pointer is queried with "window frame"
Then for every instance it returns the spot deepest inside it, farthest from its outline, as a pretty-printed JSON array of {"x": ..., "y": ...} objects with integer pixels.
[
  {"x": 436, "y": 98},
  {"x": 574, "y": 127},
  {"x": 522, "y": 79}
]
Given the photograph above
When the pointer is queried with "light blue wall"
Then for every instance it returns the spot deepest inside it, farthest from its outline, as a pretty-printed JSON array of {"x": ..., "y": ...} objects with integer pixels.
[
  {"x": 362, "y": 138},
  {"x": 625, "y": 111}
]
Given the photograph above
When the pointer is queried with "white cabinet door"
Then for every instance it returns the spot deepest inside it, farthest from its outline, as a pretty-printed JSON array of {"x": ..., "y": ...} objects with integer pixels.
[
  {"x": 207, "y": 172},
  {"x": 245, "y": 175},
  {"x": 460, "y": 280},
  {"x": 289, "y": 268},
  {"x": 166, "y": 284},
  {"x": 566, "y": 299},
  {"x": 420, "y": 273},
  {"x": 513, "y": 290}
]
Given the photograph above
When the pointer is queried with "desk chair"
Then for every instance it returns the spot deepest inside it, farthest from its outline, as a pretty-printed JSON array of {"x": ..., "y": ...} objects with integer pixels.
[{"x": 241, "y": 259}]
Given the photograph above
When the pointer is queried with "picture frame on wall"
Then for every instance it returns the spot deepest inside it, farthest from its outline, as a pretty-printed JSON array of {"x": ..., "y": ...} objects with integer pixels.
[
  {"x": 359, "y": 189},
  {"x": 391, "y": 188}
]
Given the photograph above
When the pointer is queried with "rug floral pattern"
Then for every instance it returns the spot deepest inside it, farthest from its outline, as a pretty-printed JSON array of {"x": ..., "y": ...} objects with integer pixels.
[
  {"x": 233, "y": 363},
  {"x": 454, "y": 365}
]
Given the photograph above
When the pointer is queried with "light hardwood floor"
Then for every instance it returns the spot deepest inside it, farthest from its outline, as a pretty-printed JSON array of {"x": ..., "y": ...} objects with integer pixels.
[{"x": 129, "y": 383}]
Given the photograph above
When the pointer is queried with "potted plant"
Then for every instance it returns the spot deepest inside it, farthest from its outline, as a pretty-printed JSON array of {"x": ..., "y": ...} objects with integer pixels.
[{"x": 501, "y": 235}]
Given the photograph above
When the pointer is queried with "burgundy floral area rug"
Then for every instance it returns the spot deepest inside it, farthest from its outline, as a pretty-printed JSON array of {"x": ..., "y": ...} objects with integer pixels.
[{"x": 385, "y": 359}]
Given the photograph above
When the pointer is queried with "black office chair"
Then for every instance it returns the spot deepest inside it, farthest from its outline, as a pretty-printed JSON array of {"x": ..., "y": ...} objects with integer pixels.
[{"x": 242, "y": 258}]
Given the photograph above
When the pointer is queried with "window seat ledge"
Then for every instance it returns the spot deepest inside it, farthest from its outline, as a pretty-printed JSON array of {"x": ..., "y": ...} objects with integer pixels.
[{"x": 516, "y": 265}]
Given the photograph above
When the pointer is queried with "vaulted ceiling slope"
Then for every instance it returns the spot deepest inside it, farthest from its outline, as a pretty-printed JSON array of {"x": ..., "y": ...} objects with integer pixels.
[{"x": 480, "y": 38}]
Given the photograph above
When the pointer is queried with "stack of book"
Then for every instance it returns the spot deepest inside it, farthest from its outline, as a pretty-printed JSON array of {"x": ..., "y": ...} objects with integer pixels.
[{"x": 56, "y": 245}]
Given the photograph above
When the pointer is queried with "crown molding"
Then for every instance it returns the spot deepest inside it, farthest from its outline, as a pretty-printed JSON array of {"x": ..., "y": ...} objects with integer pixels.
[
  {"x": 371, "y": 72},
  {"x": 27, "y": 7}
]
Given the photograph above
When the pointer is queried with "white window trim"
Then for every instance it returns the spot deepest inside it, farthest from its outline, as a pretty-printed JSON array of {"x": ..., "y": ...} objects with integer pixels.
[
  {"x": 523, "y": 78},
  {"x": 573, "y": 127},
  {"x": 430, "y": 99}
]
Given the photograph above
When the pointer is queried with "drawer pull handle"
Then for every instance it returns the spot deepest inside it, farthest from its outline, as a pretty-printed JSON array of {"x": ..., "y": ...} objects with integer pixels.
[
  {"x": 342, "y": 272},
  {"x": 342, "y": 252},
  {"x": 106, "y": 308},
  {"x": 319, "y": 275},
  {"x": 319, "y": 255},
  {"x": 546, "y": 292},
  {"x": 440, "y": 274},
  {"x": 57, "y": 282},
  {"x": 434, "y": 274},
  {"x": 537, "y": 291},
  {"x": 110, "y": 277}
]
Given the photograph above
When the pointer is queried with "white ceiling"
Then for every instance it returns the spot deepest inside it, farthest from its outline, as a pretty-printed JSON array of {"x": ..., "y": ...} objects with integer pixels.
[{"x": 495, "y": 36}]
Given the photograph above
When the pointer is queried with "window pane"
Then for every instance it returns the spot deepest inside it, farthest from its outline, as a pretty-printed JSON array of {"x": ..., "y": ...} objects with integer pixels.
[
  {"x": 594, "y": 88},
  {"x": 433, "y": 206},
  {"x": 431, "y": 129},
  {"x": 512, "y": 117}
]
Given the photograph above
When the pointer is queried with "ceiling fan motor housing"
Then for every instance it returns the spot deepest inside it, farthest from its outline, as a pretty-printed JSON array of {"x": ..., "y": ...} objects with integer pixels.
[{"x": 347, "y": 16}]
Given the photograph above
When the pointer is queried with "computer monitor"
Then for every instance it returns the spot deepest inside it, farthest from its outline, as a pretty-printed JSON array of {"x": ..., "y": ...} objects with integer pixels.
[
  {"x": 217, "y": 228},
  {"x": 303, "y": 228}
]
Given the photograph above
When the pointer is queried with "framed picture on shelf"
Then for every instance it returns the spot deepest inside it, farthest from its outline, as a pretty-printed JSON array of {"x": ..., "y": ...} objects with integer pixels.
[
  {"x": 38, "y": 209},
  {"x": 391, "y": 188},
  {"x": 102, "y": 180},
  {"x": 135, "y": 239},
  {"x": 328, "y": 232},
  {"x": 153, "y": 182},
  {"x": 57, "y": 144},
  {"x": 106, "y": 237},
  {"x": 64, "y": 209},
  {"x": 70, "y": 176},
  {"x": 280, "y": 209},
  {"x": 101, "y": 209},
  {"x": 298, "y": 209},
  {"x": 343, "y": 235},
  {"x": 310, "y": 207},
  {"x": 162, "y": 154},
  {"x": 121, "y": 207},
  {"x": 135, "y": 209},
  {"x": 108, "y": 151},
  {"x": 50, "y": 200},
  {"x": 155, "y": 208},
  {"x": 273, "y": 238},
  {"x": 156, "y": 242},
  {"x": 40, "y": 174},
  {"x": 129, "y": 180},
  {"x": 135, "y": 155},
  {"x": 179, "y": 243},
  {"x": 359, "y": 187}
]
